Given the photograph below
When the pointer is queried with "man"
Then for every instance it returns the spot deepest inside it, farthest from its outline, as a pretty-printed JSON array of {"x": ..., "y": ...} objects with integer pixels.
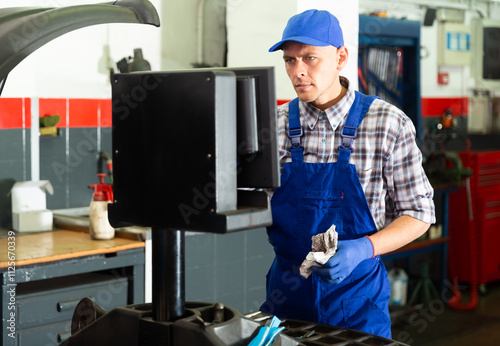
[{"x": 347, "y": 160}]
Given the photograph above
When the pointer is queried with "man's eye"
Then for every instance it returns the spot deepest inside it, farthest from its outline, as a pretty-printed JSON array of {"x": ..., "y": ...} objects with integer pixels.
[{"x": 311, "y": 57}]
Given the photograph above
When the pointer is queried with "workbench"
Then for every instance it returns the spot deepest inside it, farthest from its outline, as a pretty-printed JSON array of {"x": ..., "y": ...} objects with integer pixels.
[{"x": 45, "y": 275}]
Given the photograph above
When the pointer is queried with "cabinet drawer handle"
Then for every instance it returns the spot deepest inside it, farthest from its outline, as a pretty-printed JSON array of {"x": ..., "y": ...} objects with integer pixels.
[
  {"x": 492, "y": 215},
  {"x": 68, "y": 305}
]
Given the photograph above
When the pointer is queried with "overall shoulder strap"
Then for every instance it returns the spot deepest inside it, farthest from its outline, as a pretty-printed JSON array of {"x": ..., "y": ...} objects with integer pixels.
[
  {"x": 349, "y": 131},
  {"x": 295, "y": 131}
]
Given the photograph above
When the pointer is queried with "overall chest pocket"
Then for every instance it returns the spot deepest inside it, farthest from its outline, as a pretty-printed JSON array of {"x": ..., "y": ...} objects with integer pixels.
[
  {"x": 318, "y": 211},
  {"x": 321, "y": 199}
]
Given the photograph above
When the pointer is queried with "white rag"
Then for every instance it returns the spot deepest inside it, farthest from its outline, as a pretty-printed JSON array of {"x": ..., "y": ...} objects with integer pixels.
[{"x": 324, "y": 246}]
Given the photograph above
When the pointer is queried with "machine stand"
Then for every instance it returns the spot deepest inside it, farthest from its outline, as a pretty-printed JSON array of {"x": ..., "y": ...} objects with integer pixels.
[{"x": 168, "y": 274}]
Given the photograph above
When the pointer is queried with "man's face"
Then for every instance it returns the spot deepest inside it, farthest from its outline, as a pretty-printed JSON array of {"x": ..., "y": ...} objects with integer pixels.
[{"x": 314, "y": 71}]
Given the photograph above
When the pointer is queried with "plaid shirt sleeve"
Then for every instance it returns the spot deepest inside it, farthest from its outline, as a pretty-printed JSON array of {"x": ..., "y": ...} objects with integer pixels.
[{"x": 405, "y": 180}]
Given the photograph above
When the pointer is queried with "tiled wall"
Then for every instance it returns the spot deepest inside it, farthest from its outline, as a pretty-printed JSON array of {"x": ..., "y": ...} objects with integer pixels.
[
  {"x": 228, "y": 268},
  {"x": 68, "y": 161}
]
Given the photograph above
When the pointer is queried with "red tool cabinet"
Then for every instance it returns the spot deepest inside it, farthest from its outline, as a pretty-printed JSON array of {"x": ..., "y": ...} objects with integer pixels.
[{"x": 483, "y": 224}]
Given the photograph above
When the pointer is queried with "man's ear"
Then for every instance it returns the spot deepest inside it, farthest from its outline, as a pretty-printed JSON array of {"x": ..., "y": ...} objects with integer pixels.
[{"x": 342, "y": 57}]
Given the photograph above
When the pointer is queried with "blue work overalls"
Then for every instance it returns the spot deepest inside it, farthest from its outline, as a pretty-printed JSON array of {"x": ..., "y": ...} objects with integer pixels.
[{"x": 311, "y": 198}]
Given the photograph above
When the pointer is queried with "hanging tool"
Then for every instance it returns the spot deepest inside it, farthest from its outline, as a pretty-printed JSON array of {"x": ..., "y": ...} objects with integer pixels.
[{"x": 105, "y": 158}]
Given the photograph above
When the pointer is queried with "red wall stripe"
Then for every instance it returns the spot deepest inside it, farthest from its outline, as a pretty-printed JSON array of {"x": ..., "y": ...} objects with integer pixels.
[
  {"x": 106, "y": 112},
  {"x": 438, "y": 106},
  {"x": 82, "y": 112},
  {"x": 85, "y": 112},
  {"x": 27, "y": 111},
  {"x": 12, "y": 111}
]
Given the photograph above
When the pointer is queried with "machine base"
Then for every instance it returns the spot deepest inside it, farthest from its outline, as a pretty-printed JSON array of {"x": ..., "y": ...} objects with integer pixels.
[{"x": 203, "y": 324}]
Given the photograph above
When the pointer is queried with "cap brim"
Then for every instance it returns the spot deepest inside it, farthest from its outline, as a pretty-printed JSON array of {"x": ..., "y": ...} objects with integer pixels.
[{"x": 301, "y": 39}]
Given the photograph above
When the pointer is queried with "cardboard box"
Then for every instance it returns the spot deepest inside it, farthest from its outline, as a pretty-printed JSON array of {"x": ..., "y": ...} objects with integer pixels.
[{"x": 29, "y": 206}]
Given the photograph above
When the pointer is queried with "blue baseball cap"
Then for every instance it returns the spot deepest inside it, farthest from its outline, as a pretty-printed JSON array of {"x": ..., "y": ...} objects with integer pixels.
[{"x": 314, "y": 28}]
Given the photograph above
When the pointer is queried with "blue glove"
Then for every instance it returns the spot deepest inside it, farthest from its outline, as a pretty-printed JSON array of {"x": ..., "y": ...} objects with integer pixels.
[{"x": 349, "y": 254}]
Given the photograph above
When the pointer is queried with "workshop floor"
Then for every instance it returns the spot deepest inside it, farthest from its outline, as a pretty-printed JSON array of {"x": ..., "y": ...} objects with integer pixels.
[{"x": 439, "y": 325}]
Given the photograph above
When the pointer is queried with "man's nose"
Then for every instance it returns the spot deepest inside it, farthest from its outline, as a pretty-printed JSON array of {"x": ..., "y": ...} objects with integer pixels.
[{"x": 300, "y": 69}]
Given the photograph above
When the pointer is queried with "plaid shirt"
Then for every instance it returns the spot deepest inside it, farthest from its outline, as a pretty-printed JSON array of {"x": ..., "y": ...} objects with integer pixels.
[{"x": 386, "y": 156}]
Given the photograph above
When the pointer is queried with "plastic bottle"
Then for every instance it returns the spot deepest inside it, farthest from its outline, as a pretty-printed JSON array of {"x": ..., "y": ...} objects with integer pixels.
[
  {"x": 100, "y": 229},
  {"x": 399, "y": 287}
]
